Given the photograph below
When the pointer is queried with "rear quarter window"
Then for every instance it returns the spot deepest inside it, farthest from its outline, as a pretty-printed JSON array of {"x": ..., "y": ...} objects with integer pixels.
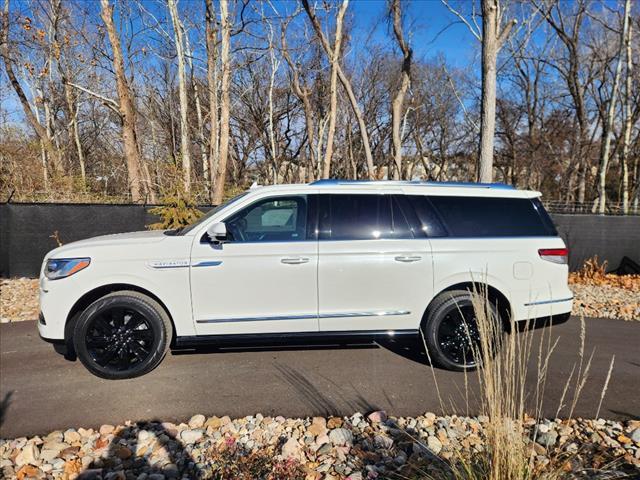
[{"x": 493, "y": 217}]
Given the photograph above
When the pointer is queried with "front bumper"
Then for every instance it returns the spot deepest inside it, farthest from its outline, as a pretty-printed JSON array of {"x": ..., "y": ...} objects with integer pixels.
[{"x": 56, "y": 300}]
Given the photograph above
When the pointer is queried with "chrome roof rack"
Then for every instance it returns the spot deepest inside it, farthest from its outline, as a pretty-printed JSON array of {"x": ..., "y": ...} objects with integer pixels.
[{"x": 337, "y": 181}]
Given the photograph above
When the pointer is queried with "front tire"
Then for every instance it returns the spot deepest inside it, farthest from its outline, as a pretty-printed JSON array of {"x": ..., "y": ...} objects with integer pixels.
[
  {"x": 124, "y": 334},
  {"x": 450, "y": 330}
]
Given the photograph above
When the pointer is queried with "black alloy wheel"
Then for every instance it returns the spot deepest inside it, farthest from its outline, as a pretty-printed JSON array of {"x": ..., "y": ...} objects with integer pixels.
[
  {"x": 458, "y": 336},
  {"x": 119, "y": 338},
  {"x": 122, "y": 335},
  {"x": 451, "y": 333}
]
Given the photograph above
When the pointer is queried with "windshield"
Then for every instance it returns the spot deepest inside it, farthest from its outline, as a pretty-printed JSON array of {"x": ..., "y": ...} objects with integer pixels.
[{"x": 210, "y": 213}]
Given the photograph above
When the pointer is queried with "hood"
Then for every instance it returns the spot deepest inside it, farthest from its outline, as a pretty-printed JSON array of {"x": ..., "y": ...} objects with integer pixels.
[{"x": 130, "y": 238}]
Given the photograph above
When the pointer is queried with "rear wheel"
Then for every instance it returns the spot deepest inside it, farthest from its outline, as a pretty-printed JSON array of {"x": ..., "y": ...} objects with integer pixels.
[
  {"x": 122, "y": 335},
  {"x": 451, "y": 332}
]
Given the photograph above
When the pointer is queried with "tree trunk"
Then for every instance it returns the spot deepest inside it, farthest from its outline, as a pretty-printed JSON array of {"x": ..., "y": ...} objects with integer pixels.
[
  {"x": 212, "y": 86},
  {"x": 607, "y": 124},
  {"x": 126, "y": 106},
  {"x": 185, "y": 142},
  {"x": 225, "y": 106},
  {"x": 628, "y": 122},
  {"x": 398, "y": 100},
  {"x": 334, "y": 57},
  {"x": 488, "y": 109},
  {"x": 493, "y": 37}
]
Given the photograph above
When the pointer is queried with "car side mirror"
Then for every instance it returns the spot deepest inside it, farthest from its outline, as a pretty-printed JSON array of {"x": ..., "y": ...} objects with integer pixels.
[{"x": 217, "y": 233}]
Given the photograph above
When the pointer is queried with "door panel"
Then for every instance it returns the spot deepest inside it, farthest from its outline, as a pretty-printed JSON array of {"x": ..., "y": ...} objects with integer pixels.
[
  {"x": 264, "y": 279},
  {"x": 370, "y": 284},
  {"x": 374, "y": 268}
]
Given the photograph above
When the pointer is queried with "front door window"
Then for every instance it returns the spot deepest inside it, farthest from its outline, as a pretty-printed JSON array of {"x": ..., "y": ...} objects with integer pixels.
[{"x": 281, "y": 219}]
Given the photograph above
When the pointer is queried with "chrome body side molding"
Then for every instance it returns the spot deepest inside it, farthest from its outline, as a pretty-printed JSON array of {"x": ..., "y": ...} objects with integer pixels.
[{"x": 306, "y": 316}]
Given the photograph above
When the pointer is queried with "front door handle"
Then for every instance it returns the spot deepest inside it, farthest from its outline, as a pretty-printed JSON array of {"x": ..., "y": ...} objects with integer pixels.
[
  {"x": 295, "y": 260},
  {"x": 408, "y": 258}
]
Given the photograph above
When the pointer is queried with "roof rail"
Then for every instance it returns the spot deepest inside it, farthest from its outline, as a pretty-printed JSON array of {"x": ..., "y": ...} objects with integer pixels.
[{"x": 336, "y": 181}]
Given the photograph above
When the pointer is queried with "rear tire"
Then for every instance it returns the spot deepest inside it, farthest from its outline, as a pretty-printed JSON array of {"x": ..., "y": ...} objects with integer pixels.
[
  {"x": 124, "y": 334},
  {"x": 450, "y": 331}
]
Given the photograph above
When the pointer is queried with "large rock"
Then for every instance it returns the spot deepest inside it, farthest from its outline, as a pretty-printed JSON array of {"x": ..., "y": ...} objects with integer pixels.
[
  {"x": 191, "y": 436},
  {"x": 434, "y": 445},
  {"x": 548, "y": 439},
  {"x": 28, "y": 455},
  {"x": 292, "y": 449},
  {"x": 341, "y": 436},
  {"x": 197, "y": 421},
  {"x": 377, "y": 417},
  {"x": 318, "y": 426}
]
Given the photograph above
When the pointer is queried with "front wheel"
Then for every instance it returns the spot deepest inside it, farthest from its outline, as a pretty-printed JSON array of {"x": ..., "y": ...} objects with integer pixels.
[
  {"x": 122, "y": 335},
  {"x": 451, "y": 332}
]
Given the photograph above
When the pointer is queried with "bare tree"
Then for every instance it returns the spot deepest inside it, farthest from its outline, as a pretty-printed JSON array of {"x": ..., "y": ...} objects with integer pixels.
[
  {"x": 494, "y": 34},
  {"x": 607, "y": 124},
  {"x": 398, "y": 99},
  {"x": 568, "y": 30},
  {"x": 64, "y": 71},
  {"x": 303, "y": 92},
  {"x": 334, "y": 57},
  {"x": 211, "y": 34},
  {"x": 225, "y": 102},
  {"x": 346, "y": 84},
  {"x": 126, "y": 107},
  {"x": 185, "y": 140},
  {"x": 41, "y": 131},
  {"x": 628, "y": 118}
]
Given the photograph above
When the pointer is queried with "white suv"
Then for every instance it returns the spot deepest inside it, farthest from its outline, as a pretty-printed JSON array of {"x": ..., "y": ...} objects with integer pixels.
[{"x": 324, "y": 260}]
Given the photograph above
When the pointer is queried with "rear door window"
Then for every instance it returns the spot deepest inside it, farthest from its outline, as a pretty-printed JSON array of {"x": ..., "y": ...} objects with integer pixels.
[
  {"x": 491, "y": 217},
  {"x": 364, "y": 217}
]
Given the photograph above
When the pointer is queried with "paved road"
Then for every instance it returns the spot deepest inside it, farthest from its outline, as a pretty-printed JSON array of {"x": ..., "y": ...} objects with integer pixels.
[{"x": 41, "y": 391}]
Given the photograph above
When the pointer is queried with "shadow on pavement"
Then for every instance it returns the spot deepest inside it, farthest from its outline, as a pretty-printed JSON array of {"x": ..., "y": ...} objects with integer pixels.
[{"x": 4, "y": 406}]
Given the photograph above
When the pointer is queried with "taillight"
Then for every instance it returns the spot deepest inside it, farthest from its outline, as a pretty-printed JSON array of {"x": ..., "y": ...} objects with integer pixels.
[{"x": 555, "y": 255}]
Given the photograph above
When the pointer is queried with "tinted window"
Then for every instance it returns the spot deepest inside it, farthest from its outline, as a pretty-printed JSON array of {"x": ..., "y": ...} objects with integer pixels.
[
  {"x": 275, "y": 219},
  {"x": 490, "y": 217},
  {"x": 403, "y": 219},
  {"x": 362, "y": 217},
  {"x": 429, "y": 223}
]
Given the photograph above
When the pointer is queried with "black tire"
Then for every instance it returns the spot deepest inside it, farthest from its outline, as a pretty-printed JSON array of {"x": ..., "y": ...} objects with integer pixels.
[
  {"x": 449, "y": 328},
  {"x": 124, "y": 334}
]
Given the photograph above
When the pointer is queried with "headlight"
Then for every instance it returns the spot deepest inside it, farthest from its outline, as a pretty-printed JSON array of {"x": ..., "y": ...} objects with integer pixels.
[{"x": 65, "y": 267}]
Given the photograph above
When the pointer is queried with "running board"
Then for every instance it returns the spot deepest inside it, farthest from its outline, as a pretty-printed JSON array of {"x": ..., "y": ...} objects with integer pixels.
[{"x": 296, "y": 338}]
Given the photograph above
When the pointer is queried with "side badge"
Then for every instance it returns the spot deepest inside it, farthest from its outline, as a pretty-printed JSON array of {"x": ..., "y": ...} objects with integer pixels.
[{"x": 160, "y": 264}]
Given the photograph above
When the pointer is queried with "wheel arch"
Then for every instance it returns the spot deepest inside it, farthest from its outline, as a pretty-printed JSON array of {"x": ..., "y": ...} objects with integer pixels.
[
  {"x": 494, "y": 295},
  {"x": 92, "y": 295}
]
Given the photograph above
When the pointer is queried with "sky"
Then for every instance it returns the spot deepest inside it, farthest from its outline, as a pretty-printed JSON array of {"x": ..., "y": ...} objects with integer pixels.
[
  {"x": 434, "y": 29},
  {"x": 430, "y": 27}
]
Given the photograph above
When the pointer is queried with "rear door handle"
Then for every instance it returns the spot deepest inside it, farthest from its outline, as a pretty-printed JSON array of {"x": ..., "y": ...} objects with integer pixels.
[
  {"x": 408, "y": 258},
  {"x": 295, "y": 260}
]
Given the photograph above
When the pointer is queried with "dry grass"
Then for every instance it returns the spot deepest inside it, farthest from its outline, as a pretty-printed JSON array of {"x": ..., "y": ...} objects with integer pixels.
[{"x": 506, "y": 398}]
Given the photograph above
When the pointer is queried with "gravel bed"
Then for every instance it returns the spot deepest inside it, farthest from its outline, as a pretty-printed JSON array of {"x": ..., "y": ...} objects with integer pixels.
[
  {"x": 355, "y": 447},
  {"x": 19, "y": 300},
  {"x": 606, "y": 301}
]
